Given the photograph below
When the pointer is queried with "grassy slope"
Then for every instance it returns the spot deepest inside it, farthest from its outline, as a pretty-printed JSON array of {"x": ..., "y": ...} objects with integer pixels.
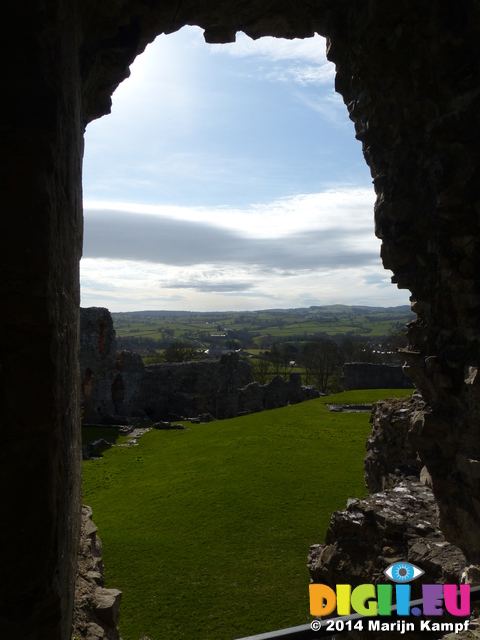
[{"x": 207, "y": 531}]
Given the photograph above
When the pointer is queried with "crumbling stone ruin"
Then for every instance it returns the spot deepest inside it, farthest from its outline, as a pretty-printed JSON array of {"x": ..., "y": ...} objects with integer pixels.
[
  {"x": 98, "y": 353},
  {"x": 409, "y": 74},
  {"x": 397, "y": 522},
  {"x": 390, "y": 455},
  {"x": 96, "y": 609},
  {"x": 116, "y": 385},
  {"x": 277, "y": 393},
  {"x": 365, "y": 375}
]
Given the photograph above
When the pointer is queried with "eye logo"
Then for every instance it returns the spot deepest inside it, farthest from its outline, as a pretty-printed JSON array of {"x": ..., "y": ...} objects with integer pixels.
[{"x": 403, "y": 572}]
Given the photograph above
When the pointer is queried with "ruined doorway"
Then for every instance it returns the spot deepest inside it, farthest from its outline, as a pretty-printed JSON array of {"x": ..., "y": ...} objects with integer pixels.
[
  {"x": 107, "y": 220},
  {"x": 397, "y": 90}
]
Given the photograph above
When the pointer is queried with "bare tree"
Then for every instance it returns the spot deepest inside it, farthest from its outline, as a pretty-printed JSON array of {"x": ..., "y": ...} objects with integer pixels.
[
  {"x": 261, "y": 370},
  {"x": 394, "y": 341},
  {"x": 321, "y": 360},
  {"x": 275, "y": 358},
  {"x": 280, "y": 357}
]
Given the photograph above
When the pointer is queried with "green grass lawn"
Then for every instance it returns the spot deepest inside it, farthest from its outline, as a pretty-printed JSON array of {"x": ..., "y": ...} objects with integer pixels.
[
  {"x": 365, "y": 396},
  {"x": 206, "y": 531}
]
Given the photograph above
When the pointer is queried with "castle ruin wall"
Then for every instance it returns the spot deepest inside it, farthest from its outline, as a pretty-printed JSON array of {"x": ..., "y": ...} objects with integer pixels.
[{"x": 409, "y": 75}]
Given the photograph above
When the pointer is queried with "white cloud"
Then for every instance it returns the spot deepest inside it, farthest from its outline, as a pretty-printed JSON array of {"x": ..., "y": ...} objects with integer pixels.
[
  {"x": 308, "y": 49},
  {"x": 330, "y": 107},
  {"x": 347, "y": 209},
  {"x": 127, "y": 285},
  {"x": 161, "y": 240},
  {"x": 317, "y": 247},
  {"x": 307, "y": 74},
  {"x": 310, "y": 64}
]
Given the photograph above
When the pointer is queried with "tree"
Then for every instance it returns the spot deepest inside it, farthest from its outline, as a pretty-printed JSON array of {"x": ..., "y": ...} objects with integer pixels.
[
  {"x": 288, "y": 354},
  {"x": 321, "y": 360},
  {"x": 179, "y": 352},
  {"x": 261, "y": 370},
  {"x": 352, "y": 349},
  {"x": 273, "y": 357},
  {"x": 358, "y": 351},
  {"x": 394, "y": 341},
  {"x": 280, "y": 357}
]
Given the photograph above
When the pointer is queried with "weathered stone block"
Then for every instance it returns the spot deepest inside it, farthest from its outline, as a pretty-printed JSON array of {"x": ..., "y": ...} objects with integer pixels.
[
  {"x": 107, "y": 605},
  {"x": 389, "y": 451}
]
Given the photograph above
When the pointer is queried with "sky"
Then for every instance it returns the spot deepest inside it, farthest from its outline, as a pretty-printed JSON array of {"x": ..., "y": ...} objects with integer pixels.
[{"x": 227, "y": 178}]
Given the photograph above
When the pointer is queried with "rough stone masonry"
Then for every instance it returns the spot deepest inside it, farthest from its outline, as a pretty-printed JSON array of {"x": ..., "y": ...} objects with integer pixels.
[
  {"x": 409, "y": 74},
  {"x": 397, "y": 522},
  {"x": 119, "y": 384}
]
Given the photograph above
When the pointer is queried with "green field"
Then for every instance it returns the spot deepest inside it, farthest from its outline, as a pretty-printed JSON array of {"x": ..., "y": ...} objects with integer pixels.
[
  {"x": 258, "y": 329},
  {"x": 206, "y": 531}
]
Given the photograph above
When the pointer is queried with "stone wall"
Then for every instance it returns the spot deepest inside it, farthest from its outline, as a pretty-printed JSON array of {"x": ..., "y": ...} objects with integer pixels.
[
  {"x": 96, "y": 609},
  {"x": 119, "y": 384},
  {"x": 223, "y": 388},
  {"x": 418, "y": 120},
  {"x": 277, "y": 393},
  {"x": 188, "y": 388},
  {"x": 97, "y": 358},
  {"x": 364, "y": 375},
  {"x": 397, "y": 522},
  {"x": 409, "y": 75},
  {"x": 41, "y": 137},
  {"x": 389, "y": 451},
  {"x": 400, "y": 524}
]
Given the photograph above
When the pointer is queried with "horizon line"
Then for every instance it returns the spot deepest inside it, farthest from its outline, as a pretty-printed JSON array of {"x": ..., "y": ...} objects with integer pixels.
[{"x": 315, "y": 306}]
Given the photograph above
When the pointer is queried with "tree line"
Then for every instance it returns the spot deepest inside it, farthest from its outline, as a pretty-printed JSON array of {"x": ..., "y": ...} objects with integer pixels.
[{"x": 320, "y": 360}]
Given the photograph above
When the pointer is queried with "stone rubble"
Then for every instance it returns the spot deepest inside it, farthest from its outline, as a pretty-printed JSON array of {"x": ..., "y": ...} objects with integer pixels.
[
  {"x": 96, "y": 609},
  {"x": 167, "y": 426},
  {"x": 397, "y": 522},
  {"x": 89, "y": 450},
  {"x": 349, "y": 408}
]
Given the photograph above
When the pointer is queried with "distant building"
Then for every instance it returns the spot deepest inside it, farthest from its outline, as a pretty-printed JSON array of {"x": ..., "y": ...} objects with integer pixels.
[{"x": 216, "y": 353}]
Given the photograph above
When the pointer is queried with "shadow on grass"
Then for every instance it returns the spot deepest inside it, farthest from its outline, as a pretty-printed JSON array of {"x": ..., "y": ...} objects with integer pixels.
[{"x": 90, "y": 434}]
